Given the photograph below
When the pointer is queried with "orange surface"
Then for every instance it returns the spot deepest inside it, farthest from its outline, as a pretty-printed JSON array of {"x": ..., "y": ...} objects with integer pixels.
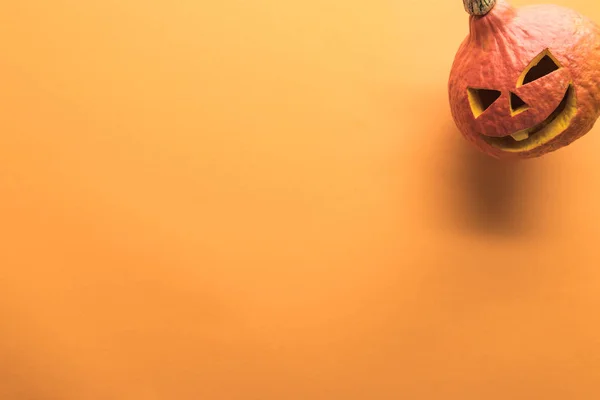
[{"x": 239, "y": 200}]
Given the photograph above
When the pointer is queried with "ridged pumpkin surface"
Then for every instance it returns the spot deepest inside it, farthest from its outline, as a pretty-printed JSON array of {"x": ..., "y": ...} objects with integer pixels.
[{"x": 526, "y": 81}]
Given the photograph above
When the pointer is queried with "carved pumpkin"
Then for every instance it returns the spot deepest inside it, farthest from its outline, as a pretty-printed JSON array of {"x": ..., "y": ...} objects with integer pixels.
[{"x": 525, "y": 81}]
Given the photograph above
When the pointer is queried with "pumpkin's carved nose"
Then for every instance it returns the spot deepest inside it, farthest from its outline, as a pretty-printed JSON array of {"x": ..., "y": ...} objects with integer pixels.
[{"x": 517, "y": 105}]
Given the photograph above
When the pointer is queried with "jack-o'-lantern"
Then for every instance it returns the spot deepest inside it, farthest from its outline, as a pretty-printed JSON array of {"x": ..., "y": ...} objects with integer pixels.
[{"x": 526, "y": 81}]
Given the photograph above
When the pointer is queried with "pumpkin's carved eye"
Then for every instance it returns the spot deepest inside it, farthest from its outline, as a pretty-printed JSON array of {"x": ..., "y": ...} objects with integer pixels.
[
  {"x": 541, "y": 66},
  {"x": 481, "y": 99}
]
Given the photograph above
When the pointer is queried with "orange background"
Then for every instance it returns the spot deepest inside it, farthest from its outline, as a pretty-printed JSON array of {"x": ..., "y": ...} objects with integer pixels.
[{"x": 239, "y": 200}]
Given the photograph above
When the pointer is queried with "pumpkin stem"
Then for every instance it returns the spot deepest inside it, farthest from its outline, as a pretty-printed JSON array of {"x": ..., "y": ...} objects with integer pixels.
[{"x": 479, "y": 7}]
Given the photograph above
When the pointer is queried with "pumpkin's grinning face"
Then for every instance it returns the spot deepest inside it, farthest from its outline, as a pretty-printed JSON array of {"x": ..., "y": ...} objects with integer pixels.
[
  {"x": 541, "y": 133},
  {"x": 525, "y": 81},
  {"x": 527, "y": 138}
]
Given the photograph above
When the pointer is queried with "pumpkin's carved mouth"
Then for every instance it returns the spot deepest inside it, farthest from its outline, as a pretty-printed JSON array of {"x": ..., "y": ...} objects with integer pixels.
[{"x": 541, "y": 133}]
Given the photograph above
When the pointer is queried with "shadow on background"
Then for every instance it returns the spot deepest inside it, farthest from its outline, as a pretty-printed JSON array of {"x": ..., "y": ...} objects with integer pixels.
[{"x": 487, "y": 195}]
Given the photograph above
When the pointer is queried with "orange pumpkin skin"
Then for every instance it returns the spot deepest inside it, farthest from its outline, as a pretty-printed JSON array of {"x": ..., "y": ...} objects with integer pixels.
[{"x": 500, "y": 55}]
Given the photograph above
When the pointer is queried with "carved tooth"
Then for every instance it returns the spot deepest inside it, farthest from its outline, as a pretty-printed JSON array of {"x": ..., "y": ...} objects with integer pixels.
[{"x": 520, "y": 136}]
